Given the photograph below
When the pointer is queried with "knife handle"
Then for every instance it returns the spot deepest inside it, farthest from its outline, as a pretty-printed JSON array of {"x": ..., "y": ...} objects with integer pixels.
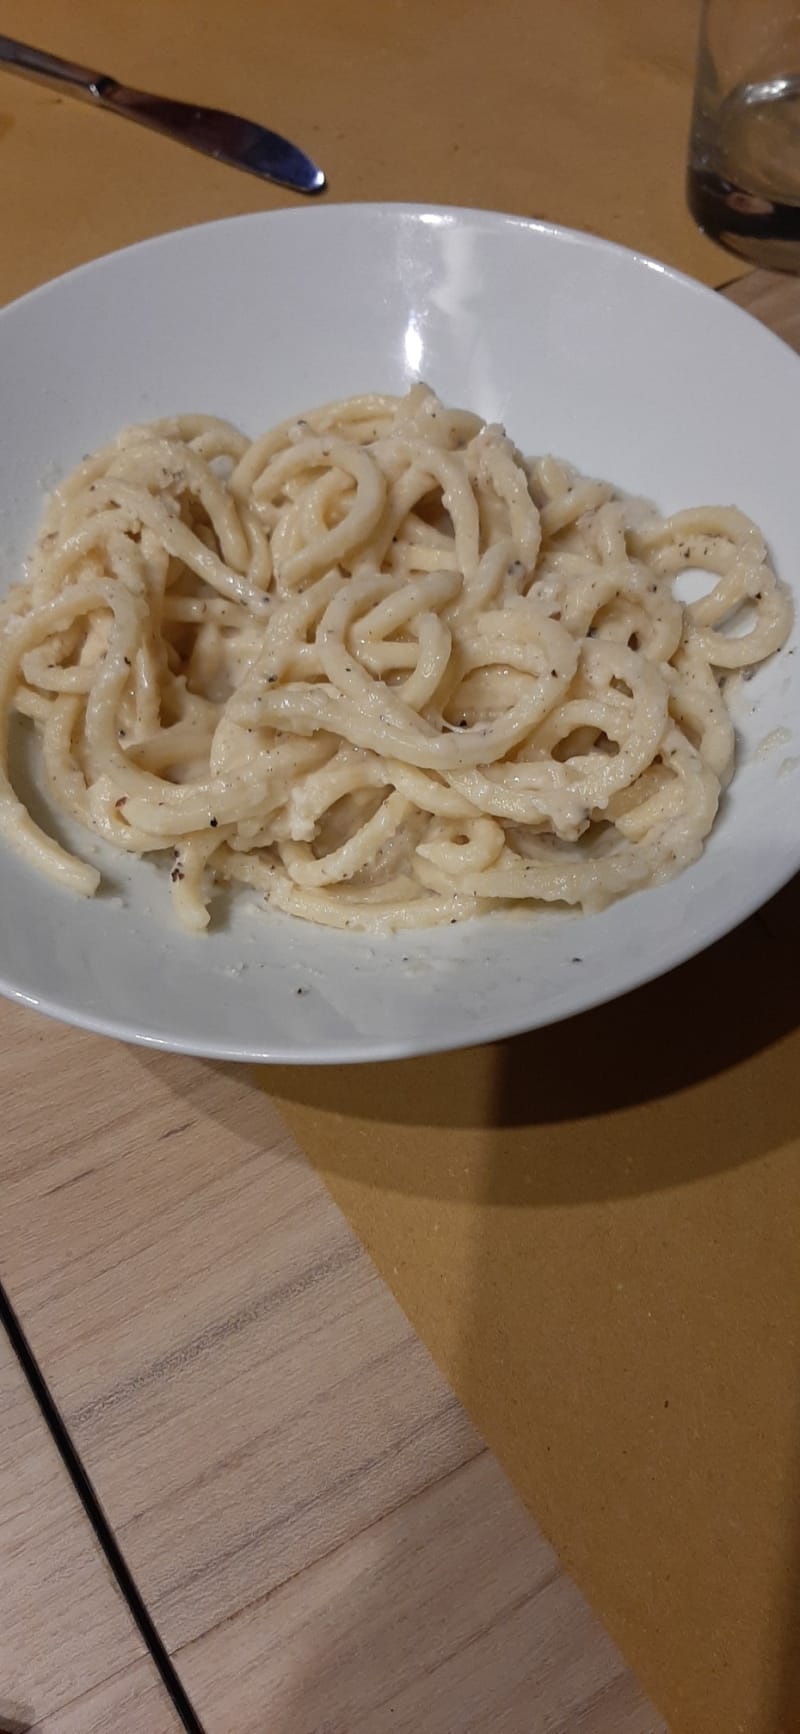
[{"x": 49, "y": 69}]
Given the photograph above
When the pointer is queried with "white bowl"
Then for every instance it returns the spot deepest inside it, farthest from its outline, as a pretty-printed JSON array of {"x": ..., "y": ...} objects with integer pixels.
[{"x": 582, "y": 348}]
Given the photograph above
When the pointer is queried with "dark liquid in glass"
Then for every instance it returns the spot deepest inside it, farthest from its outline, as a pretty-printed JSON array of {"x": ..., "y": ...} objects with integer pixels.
[{"x": 744, "y": 171}]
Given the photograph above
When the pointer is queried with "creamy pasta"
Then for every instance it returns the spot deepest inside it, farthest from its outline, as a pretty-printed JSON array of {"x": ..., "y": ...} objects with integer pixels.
[{"x": 376, "y": 666}]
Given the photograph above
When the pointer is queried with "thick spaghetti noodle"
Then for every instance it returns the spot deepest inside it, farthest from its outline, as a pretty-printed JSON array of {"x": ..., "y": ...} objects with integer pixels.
[{"x": 376, "y": 666}]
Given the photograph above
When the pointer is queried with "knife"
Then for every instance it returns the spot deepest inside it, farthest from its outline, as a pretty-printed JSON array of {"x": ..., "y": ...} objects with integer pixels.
[{"x": 240, "y": 143}]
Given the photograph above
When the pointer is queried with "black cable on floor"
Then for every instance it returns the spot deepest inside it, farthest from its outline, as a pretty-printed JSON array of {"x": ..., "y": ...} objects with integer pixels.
[{"x": 96, "y": 1515}]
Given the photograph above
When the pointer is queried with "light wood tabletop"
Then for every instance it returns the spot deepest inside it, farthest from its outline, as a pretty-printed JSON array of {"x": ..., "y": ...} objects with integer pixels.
[
  {"x": 323, "y": 1541},
  {"x": 72, "y": 1661}
]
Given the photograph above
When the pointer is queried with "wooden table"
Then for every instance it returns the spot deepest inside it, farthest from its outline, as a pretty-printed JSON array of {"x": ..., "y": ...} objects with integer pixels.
[
  {"x": 320, "y": 1536},
  {"x": 324, "y": 1544}
]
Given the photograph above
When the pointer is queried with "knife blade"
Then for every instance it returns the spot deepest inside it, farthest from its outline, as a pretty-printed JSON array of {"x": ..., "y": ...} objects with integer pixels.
[{"x": 242, "y": 144}]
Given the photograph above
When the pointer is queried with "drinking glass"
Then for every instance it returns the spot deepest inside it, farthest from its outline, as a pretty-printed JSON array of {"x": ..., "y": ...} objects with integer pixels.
[{"x": 744, "y": 156}]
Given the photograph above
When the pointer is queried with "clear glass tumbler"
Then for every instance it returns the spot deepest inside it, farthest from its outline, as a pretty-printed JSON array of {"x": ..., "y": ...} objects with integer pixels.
[{"x": 744, "y": 156}]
